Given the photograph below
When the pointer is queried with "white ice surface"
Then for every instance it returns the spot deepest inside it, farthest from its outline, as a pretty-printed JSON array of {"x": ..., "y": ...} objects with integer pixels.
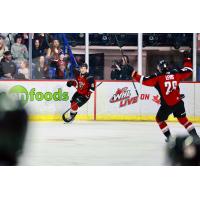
[{"x": 96, "y": 143}]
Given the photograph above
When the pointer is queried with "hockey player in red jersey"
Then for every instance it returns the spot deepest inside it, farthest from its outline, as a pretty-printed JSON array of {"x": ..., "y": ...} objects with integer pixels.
[
  {"x": 167, "y": 81},
  {"x": 84, "y": 85}
]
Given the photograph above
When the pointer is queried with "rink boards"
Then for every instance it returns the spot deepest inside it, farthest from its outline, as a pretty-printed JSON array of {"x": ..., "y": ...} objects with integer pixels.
[{"x": 112, "y": 100}]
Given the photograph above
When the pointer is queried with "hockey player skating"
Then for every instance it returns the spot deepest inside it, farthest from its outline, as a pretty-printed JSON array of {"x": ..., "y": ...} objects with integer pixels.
[
  {"x": 84, "y": 85},
  {"x": 167, "y": 81}
]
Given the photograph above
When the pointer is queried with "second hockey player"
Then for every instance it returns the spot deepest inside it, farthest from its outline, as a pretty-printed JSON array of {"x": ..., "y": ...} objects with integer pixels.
[{"x": 167, "y": 81}]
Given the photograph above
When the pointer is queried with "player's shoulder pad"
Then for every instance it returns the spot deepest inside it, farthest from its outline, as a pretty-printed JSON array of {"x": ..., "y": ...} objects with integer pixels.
[{"x": 90, "y": 78}]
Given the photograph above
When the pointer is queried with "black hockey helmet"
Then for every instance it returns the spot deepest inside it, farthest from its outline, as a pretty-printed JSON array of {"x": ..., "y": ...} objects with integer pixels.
[
  {"x": 184, "y": 150},
  {"x": 13, "y": 125},
  {"x": 162, "y": 66}
]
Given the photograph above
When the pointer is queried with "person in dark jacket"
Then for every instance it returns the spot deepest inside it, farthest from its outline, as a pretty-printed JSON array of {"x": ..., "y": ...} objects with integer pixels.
[
  {"x": 126, "y": 69},
  {"x": 41, "y": 70},
  {"x": 116, "y": 71},
  {"x": 37, "y": 50},
  {"x": 7, "y": 66}
]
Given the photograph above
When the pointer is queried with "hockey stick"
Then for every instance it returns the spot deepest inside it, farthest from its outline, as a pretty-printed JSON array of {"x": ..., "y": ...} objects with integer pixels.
[
  {"x": 63, "y": 115},
  {"x": 123, "y": 56},
  {"x": 98, "y": 85}
]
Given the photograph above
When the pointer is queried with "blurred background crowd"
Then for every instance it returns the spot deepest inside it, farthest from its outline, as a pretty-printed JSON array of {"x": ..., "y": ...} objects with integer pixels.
[{"x": 55, "y": 55}]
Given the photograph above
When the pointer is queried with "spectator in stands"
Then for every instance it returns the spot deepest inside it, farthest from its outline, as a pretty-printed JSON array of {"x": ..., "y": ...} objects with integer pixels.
[
  {"x": 19, "y": 50},
  {"x": 43, "y": 40},
  {"x": 37, "y": 50},
  {"x": 126, "y": 68},
  {"x": 7, "y": 67},
  {"x": 53, "y": 53},
  {"x": 23, "y": 69},
  {"x": 41, "y": 70},
  {"x": 9, "y": 39},
  {"x": 116, "y": 70},
  {"x": 25, "y": 39},
  {"x": 3, "y": 47},
  {"x": 62, "y": 69}
]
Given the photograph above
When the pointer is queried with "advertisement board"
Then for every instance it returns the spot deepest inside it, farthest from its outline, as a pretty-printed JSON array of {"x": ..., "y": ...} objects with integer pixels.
[
  {"x": 112, "y": 100},
  {"x": 119, "y": 101},
  {"x": 44, "y": 100}
]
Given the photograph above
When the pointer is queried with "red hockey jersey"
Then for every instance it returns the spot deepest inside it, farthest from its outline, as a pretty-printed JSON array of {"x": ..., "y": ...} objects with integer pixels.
[
  {"x": 83, "y": 83},
  {"x": 167, "y": 84}
]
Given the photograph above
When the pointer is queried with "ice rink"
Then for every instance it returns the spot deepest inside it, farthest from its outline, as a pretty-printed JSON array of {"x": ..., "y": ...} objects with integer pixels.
[{"x": 96, "y": 143}]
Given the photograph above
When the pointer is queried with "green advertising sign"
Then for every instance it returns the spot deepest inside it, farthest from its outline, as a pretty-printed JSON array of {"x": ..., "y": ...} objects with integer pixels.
[{"x": 21, "y": 93}]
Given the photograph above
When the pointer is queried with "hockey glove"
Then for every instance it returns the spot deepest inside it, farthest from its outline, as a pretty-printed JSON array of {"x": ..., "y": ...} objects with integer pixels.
[{"x": 69, "y": 83}]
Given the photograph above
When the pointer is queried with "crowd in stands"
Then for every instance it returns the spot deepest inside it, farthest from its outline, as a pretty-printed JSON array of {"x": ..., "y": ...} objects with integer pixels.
[
  {"x": 49, "y": 59},
  {"x": 14, "y": 56}
]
